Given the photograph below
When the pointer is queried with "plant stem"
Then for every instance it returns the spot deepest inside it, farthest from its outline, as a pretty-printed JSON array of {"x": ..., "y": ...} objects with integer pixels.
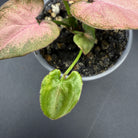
[
  {"x": 73, "y": 64},
  {"x": 67, "y": 7}
]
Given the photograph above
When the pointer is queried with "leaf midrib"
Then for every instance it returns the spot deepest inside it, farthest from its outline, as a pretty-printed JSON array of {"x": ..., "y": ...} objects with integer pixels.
[{"x": 58, "y": 92}]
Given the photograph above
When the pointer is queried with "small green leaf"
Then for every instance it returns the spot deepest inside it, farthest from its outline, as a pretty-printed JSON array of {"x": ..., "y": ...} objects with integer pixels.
[
  {"x": 88, "y": 29},
  {"x": 59, "y": 96},
  {"x": 73, "y": 22},
  {"x": 68, "y": 22},
  {"x": 84, "y": 41}
]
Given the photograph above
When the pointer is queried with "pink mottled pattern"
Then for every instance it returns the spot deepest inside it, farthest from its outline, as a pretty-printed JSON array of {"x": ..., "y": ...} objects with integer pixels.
[
  {"x": 108, "y": 14},
  {"x": 18, "y": 24}
]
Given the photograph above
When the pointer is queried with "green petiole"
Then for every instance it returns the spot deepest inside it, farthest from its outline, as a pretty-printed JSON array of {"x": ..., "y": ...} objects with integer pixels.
[
  {"x": 73, "y": 64},
  {"x": 67, "y": 7}
]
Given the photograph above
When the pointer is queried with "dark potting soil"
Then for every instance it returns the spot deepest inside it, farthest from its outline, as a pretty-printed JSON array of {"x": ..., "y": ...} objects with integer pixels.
[{"x": 62, "y": 52}]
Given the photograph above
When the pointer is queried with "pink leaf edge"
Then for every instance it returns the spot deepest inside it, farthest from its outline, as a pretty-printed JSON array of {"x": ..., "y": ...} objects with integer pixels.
[{"x": 108, "y": 14}]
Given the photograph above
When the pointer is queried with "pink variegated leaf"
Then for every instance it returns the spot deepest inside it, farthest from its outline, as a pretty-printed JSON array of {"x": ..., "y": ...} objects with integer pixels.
[
  {"x": 20, "y": 33},
  {"x": 108, "y": 14}
]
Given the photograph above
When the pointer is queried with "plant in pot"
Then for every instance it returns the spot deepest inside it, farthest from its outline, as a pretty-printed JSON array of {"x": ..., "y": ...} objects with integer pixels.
[{"x": 25, "y": 26}]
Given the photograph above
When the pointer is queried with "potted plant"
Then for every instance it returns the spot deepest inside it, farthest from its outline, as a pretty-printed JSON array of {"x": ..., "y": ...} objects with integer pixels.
[
  {"x": 106, "y": 55},
  {"x": 24, "y": 29}
]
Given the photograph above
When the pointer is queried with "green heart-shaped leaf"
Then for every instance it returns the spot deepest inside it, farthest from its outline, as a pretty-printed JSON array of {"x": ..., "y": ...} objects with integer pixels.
[
  {"x": 59, "y": 96},
  {"x": 20, "y": 33},
  {"x": 84, "y": 41}
]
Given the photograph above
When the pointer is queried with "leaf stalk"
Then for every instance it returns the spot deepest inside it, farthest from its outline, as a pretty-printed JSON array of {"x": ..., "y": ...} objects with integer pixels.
[{"x": 73, "y": 64}]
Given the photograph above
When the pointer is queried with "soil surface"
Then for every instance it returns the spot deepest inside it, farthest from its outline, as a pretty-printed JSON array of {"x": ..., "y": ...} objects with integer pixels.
[{"x": 62, "y": 52}]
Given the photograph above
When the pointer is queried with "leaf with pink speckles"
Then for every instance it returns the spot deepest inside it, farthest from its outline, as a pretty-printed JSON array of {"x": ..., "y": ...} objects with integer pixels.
[
  {"x": 108, "y": 14},
  {"x": 20, "y": 33}
]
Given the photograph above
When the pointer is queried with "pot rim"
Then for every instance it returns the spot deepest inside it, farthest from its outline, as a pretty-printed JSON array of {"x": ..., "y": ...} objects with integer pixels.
[{"x": 121, "y": 59}]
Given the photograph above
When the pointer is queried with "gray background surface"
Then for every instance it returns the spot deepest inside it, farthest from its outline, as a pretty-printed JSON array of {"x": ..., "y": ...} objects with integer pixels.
[{"x": 108, "y": 107}]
